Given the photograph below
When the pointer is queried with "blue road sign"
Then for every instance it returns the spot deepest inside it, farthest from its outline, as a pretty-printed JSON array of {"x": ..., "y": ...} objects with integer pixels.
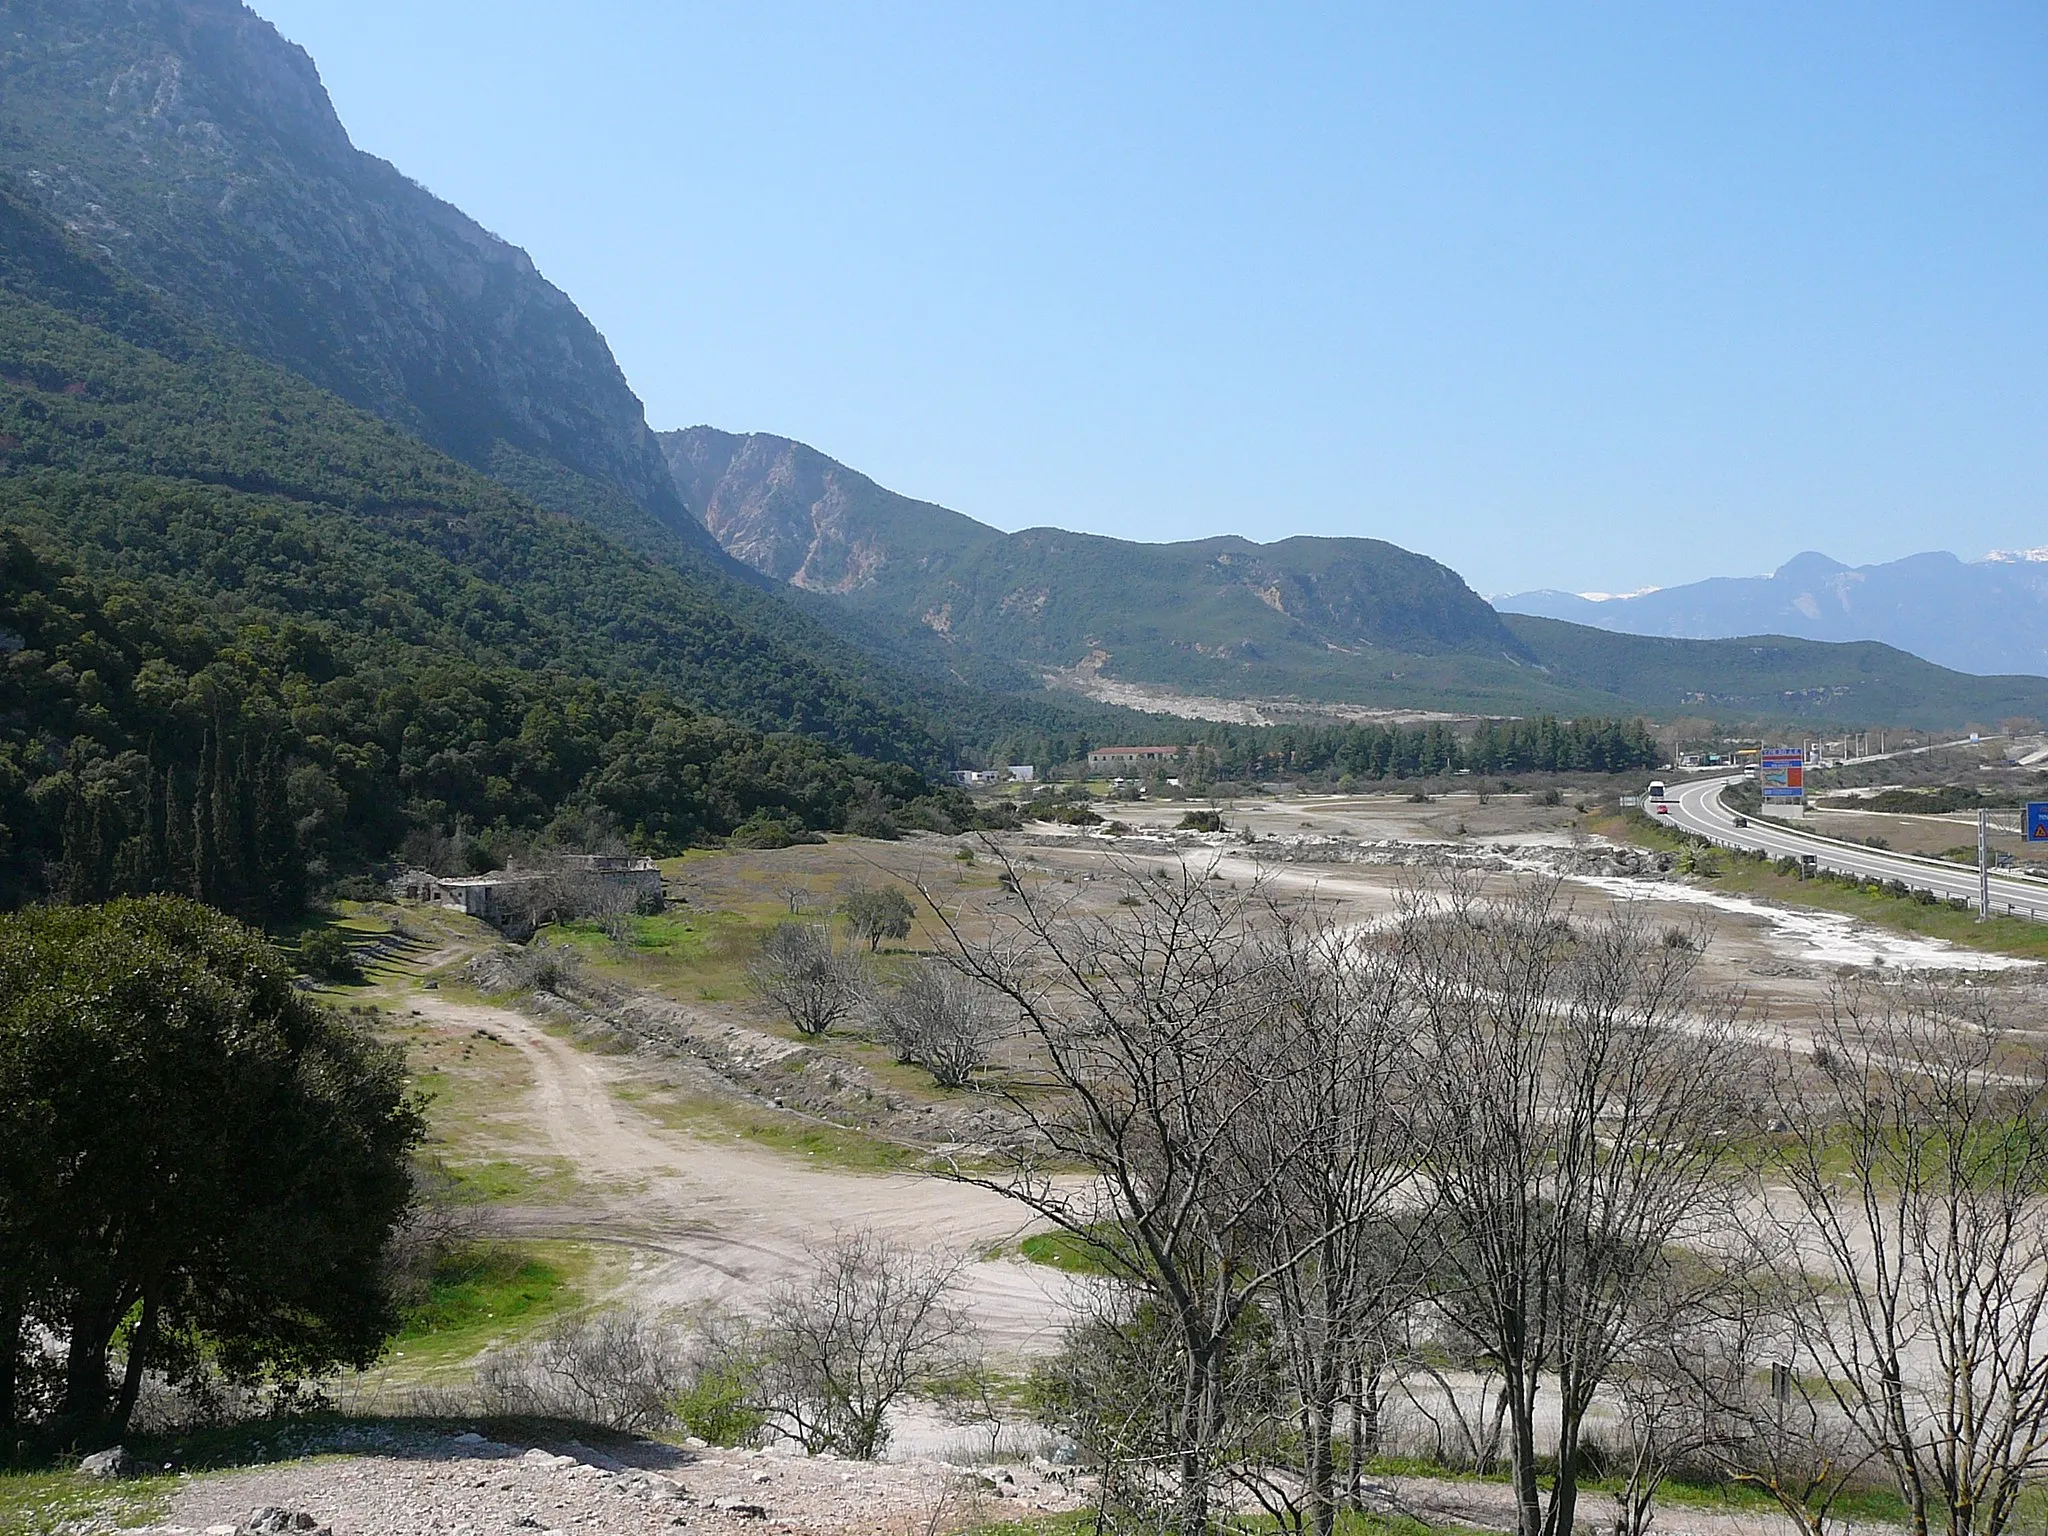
[{"x": 2037, "y": 821}]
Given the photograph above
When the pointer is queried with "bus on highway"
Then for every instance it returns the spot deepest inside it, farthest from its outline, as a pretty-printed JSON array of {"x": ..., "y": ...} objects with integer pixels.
[{"x": 1656, "y": 789}]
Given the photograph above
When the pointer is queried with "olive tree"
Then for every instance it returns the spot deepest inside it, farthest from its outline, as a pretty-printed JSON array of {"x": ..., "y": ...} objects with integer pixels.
[
  {"x": 875, "y": 913},
  {"x": 195, "y": 1159}
]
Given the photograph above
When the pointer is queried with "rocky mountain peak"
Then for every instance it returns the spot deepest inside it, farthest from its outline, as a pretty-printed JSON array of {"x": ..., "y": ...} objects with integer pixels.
[{"x": 197, "y": 148}]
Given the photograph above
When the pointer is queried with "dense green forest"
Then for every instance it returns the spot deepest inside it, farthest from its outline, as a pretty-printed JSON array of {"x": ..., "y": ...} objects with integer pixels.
[
  {"x": 239, "y": 616},
  {"x": 149, "y": 741},
  {"x": 1372, "y": 752}
]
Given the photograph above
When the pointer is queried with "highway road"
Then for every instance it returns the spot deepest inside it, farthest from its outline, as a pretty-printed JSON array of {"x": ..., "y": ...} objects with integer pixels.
[{"x": 1696, "y": 807}]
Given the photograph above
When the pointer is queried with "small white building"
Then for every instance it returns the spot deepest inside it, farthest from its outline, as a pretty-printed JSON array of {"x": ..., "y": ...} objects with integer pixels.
[
  {"x": 1023, "y": 773},
  {"x": 968, "y": 778},
  {"x": 1132, "y": 757},
  {"x": 486, "y": 896}
]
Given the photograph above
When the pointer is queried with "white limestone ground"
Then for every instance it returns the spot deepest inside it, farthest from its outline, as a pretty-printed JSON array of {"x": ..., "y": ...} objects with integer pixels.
[{"x": 392, "y": 1483}]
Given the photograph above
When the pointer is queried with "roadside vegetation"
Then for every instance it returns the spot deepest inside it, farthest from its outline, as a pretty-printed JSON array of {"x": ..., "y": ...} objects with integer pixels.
[{"x": 1884, "y": 904}]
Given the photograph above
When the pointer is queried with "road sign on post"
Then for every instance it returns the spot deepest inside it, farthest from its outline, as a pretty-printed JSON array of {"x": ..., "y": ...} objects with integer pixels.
[
  {"x": 1983, "y": 866},
  {"x": 2036, "y": 828},
  {"x": 1781, "y": 775}
]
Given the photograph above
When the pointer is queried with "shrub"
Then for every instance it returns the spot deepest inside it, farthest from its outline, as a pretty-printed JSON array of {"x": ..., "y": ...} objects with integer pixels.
[
  {"x": 545, "y": 967},
  {"x": 621, "y": 1369},
  {"x": 837, "y": 1349},
  {"x": 326, "y": 954},
  {"x": 1202, "y": 821},
  {"x": 717, "y": 1405},
  {"x": 943, "y": 1023},
  {"x": 765, "y": 829}
]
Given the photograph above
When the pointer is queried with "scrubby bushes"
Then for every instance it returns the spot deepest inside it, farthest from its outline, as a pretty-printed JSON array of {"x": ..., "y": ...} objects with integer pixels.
[
  {"x": 831, "y": 1353},
  {"x": 326, "y": 954}
]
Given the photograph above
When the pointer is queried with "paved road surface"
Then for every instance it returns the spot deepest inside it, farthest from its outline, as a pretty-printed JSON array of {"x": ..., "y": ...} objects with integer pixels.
[{"x": 1696, "y": 807}]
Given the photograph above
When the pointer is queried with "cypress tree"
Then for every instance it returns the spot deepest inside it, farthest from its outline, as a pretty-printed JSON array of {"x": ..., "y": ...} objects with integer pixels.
[
  {"x": 205, "y": 878},
  {"x": 229, "y": 854},
  {"x": 177, "y": 837},
  {"x": 280, "y": 866}
]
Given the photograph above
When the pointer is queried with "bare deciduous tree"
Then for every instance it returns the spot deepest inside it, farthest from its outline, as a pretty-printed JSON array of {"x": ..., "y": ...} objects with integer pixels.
[
  {"x": 942, "y": 1021},
  {"x": 1152, "y": 1022},
  {"x": 1577, "y": 1088},
  {"x": 810, "y": 983},
  {"x": 1343, "y": 1143},
  {"x": 835, "y": 1350},
  {"x": 1917, "y": 1166}
]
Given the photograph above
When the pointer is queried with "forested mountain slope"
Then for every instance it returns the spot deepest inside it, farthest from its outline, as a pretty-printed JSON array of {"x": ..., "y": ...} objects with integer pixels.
[
  {"x": 218, "y": 580},
  {"x": 1299, "y": 616}
]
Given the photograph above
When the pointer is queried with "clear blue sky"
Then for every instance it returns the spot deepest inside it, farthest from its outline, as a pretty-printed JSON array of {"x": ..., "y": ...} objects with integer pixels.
[{"x": 1588, "y": 296}]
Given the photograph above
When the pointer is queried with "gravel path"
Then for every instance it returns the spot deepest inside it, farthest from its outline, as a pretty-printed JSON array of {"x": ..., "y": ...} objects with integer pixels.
[
  {"x": 715, "y": 1219},
  {"x": 396, "y": 1485}
]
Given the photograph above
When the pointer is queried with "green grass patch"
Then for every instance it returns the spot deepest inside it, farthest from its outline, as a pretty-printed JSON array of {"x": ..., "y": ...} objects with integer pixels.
[
  {"x": 484, "y": 1293},
  {"x": 1065, "y": 1251},
  {"x": 504, "y": 1181},
  {"x": 60, "y": 1503}
]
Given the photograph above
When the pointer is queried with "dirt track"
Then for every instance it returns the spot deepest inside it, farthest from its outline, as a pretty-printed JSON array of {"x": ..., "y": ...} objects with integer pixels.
[{"x": 713, "y": 1220}]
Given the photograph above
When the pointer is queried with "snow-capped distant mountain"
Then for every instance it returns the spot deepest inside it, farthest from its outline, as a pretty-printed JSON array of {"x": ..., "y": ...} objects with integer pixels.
[{"x": 1987, "y": 616}]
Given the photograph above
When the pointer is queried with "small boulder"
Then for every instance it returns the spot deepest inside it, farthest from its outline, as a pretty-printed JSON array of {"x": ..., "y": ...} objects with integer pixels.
[
  {"x": 276, "y": 1520},
  {"x": 112, "y": 1462}
]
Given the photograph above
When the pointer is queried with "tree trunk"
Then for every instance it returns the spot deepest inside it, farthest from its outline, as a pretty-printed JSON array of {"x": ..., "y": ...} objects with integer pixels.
[
  {"x": 141, "y": 1339},
  {"x": 85, "y": 1360},
  {"x": 1192, "y": 1514},
  {"x": 1318, "y": 1466},
  {"x": 1521, "y": 1406},
  {"x": 10, "y": 1365},
  {"x": 1564, "y": 1490},
  {"x": 1365, "y": 1436}
]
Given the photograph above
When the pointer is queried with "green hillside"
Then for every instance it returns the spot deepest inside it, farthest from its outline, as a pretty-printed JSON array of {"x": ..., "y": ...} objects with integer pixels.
[
  {"x": 1356, "y": 620},
  {"x": 1313, "y": 621}
]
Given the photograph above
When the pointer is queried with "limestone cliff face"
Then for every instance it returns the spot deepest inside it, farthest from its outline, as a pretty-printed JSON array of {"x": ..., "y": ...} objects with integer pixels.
[
  {"x": 197, "y": 148},
  {"x": 792, "y": 513}
]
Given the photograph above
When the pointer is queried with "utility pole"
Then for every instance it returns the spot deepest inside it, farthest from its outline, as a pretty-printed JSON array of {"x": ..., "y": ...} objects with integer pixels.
[{"x": 1983, "y": 865}]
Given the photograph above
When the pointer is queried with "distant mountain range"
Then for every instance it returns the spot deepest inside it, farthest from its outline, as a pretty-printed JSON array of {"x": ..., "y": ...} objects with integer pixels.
[
  {"x": 1986, "y": 616},
  {"x": 1319, "y": 621}
]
